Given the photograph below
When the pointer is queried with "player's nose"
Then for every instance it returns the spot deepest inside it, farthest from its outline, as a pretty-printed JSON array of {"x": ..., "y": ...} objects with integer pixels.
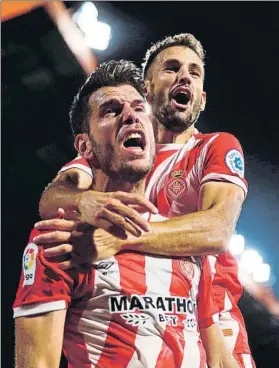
[
  {"x": 184, "y": 76},
  {"x": 129, "y": 115}
]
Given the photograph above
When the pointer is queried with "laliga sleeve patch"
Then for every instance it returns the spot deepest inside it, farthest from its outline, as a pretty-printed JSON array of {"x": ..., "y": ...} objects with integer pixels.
[
  {"x": 29, "y": 263},
  {"x": 235, "y": 162}
]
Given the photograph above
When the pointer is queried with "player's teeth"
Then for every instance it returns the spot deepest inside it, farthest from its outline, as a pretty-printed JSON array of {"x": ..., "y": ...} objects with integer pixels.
[{"x": 133, "y": 135}]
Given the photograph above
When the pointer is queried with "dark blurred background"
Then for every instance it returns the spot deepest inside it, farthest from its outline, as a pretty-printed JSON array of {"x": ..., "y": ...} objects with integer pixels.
[{"x": 40, "y": 76}]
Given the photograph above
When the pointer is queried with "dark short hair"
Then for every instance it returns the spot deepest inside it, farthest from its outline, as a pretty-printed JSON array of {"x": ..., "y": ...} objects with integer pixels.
[
  {"x": 182, "y": 39},
  {"x": 111, "y": 73}
]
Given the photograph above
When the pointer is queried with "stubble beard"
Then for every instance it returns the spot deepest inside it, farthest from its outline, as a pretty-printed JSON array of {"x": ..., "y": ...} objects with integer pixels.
[
  {"x": 116, "y": 169},
  {"x": 170, "y": 118}
]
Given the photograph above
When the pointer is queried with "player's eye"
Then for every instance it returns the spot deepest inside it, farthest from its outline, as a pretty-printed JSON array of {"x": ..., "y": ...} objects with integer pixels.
[
  {"x": 111, "y": 111},
  {"x": 195, "y": 73},
  {"x": 172, "y": 69},
  {"x": 140, "y": 108}
]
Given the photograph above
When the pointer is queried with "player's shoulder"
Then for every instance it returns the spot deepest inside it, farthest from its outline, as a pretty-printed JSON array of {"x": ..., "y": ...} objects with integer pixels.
[
  {"x": 223, "y": 141},
  {"x": 78, "y": 160},
  {"x": 206, "y": 137}
]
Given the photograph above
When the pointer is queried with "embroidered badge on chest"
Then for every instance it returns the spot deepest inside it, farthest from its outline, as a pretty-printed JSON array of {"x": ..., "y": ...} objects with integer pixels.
[
  {"x": 187, "y": 268},
  {"x": 176, "y": 186}
]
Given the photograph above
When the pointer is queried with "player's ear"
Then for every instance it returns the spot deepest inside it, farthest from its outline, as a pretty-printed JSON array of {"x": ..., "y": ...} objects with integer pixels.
[
  {"x": 83, "y": 146},
  {"x": 203, "y": 100}
]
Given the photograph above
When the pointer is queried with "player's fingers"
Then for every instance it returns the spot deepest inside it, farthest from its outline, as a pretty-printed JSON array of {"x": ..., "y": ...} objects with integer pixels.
[
  {"x": 117, "y": 232},
  {"x": 72, "y": 215},
  {"x": 136, "y": 199},
  {"x": 77, "y": 260},
  {"x": 59, "y": 250},
  {"x": 53, "y": 237},
  {"x": 66, "y": 264},
  {"x": 55, "y": 224},
  {"x": 128, "y": 213},
  {"x": 61, "y": 212},
  {"x": 119, "y": 221}
]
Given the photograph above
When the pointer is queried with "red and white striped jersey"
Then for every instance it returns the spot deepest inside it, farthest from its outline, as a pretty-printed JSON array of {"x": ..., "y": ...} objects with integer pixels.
[
  {"x": 131, "y": 310},
  {"x": 173, "y": 185}
]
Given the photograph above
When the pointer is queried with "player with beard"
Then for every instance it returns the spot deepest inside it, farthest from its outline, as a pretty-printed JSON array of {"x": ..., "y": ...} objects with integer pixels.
[
  {"x": 197, "y": 179},
  {"x": 134, "y": 310}
]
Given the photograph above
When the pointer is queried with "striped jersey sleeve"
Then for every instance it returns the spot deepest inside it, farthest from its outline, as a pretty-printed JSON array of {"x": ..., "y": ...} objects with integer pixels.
[
  {"x": 207, "y": 308},
  {"x": 78, "y": 163},
  {"x": 43, "y": 287},
  {"x": 224, "y": 161}
]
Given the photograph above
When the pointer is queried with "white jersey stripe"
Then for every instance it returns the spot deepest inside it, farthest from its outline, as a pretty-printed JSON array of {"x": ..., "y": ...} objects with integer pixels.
[
  {"x": 150, "y": 350},
  {"x": 158, "y": 173},
  {"x": 212, "y": 263},
  {"x": 82, "y": 167},
  {"x": 95, "y": 311},
  {"x": 247, "y": 360},
  {"x": 191, "y": 351},
  {"x": 228, "y": 178},
  {"x": 199, "y": 164},
  {"x": 227, "y": 322},
  {"x": 38, "y": 308},
  {"x": 167, "y": 165}
]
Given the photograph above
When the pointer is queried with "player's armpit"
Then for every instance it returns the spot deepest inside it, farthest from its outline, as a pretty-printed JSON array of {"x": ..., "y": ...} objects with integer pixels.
[
  {"x": 39, "y": 340},
  {"x": 216, "y": 352},
  {"x": 64, "y": 191}
]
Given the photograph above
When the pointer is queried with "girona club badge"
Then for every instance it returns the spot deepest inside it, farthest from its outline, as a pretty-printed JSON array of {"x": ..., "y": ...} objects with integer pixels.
[
  {"x": 177, "y": 186},
  {"x": 187, "y": 268}
]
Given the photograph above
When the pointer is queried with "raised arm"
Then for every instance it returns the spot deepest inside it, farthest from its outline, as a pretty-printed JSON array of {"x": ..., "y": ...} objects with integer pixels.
[
  {"x": 39, "y": 340},
  {"x": 204, "y": 232}
]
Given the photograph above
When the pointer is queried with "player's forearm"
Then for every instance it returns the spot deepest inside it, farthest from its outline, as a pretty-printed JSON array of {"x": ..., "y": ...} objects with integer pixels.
[
  {"x": 226, "y": 361},
  {"x": 39, "y": 340},
  {"x": 217, "y": 355},
  {"x": 59, "y": 195},
  {"x": 203, "y": 232}
]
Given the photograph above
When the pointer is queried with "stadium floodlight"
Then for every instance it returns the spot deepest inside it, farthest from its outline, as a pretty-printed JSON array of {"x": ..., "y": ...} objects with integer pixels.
[
  {"x": 262, "y": 273},
  {"x": 85, "y": 16},
  {"x": 99, "y": 36},
  {"x": 250, "y": 260},
  {"x": 96, "y": 34},
  {"x": 237, "y": 244}
]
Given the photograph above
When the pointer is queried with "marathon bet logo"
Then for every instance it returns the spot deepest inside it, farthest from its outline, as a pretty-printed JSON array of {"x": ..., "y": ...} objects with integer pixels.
[{"x": 139, "y": 303}]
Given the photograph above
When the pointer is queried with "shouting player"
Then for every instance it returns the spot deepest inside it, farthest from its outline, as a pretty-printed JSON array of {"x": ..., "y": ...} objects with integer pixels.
[
  {"x": 132, "y": 310},
  {"x": 198, "y": 180}
]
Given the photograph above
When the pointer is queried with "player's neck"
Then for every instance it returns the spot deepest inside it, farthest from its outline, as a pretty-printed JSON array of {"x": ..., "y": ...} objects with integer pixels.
[
  {"x": 164, "y": 136},
  {"x": 103, "y": 183}
]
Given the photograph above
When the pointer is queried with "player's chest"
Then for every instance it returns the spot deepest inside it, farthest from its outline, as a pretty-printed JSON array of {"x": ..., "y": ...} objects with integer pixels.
[
  {"x": 132, "y": 273},
  {"x": 174, "y": 185}
]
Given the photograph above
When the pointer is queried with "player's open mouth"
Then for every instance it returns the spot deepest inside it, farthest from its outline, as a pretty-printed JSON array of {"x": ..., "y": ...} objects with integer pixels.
[
  {"x": 181, "y": 97},
  {"x": 134, "y": 140}
]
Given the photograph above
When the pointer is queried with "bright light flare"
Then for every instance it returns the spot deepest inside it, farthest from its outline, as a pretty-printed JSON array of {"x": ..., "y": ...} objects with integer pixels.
[
  {"x": 250, "y": 260},
  {"x": 262, "y": 273},
  {"x": 97, "y": 34},
  {"x": 237, "y": 244},
  {"x": 85, "y": 16}
]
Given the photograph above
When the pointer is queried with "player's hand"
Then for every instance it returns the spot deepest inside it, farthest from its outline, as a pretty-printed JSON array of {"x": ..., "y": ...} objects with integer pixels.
[
  {"x": 115, "y": 212},
  {"x": 84, "y": 243}
]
